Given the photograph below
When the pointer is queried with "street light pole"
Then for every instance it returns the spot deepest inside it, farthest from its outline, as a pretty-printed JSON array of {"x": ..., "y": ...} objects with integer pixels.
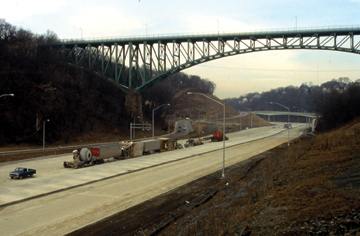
[
  {"x": 153, "y": 117},
  {"x": 223, "y": 165},
  {"x": 240, "y": 121},
  {"x": 223, "y": 105},
  {"x": 251, "y": 120},
  {"x": 7, "y": 95},
  {"x": 288, "y": 118},
  {"x": 44, "y": 122}
]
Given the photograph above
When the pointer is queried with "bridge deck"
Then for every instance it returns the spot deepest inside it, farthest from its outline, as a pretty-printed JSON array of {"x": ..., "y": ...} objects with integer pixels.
[{"x": 306, "y": 32}]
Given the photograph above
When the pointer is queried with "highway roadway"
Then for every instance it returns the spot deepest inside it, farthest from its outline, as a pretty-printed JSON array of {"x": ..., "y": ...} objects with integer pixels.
[
  {"x": 52, "y": 176},
  {"x": 126, "y": 183}
]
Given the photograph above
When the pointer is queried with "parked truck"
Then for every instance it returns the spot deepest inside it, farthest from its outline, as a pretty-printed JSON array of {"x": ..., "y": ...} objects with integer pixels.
[
  {"x": 20, "y": 173},
  {"x": 88, "y": 156},
  {"x": 216, "y": 136}
]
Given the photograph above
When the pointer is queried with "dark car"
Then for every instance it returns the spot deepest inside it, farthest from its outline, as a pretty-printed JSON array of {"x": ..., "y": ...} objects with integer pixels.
[
  {"x": 287, "y": 126},
  {"x": 20, "y": 173}
]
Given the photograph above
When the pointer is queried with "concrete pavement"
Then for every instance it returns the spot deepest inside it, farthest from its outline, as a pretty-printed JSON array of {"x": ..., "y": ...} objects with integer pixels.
[
  {"x": 52, "y": 176},
  {"x": 65, "y": 211}
]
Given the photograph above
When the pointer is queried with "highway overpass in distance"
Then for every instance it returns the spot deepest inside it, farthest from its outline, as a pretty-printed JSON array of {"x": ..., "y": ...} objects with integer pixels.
[{"x": 286, "y": 113}]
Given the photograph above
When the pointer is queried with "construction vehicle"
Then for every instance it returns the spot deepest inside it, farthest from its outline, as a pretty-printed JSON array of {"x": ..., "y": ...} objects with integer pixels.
[
  {"x": 193, "y": 142},
  {"x": 216, "y": 136},
  {"x": 88, "y": 156}
]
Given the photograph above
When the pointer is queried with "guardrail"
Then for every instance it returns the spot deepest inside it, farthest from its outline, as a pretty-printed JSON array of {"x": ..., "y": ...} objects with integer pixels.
[{"x": 195, "y": 34}]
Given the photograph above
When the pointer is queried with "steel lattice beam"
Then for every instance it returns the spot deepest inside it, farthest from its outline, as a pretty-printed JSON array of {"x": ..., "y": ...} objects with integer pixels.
[{"x": 137, "y": 63}]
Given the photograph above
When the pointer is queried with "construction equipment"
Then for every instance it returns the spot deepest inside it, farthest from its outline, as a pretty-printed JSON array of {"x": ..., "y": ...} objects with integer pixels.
[
  {"x": 88, "y": 156},
  {"x": 217, "y": 136},
  {"x": 148, "y": 146},
  {"x": 193, "y": 142}
]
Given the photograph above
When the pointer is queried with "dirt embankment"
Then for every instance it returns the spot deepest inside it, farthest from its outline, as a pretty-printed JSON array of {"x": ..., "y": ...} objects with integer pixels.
[
  {"x": 311, "y": 188},
  {"x": 197, "y": 107},
  {"x": 207, "y": 115}
]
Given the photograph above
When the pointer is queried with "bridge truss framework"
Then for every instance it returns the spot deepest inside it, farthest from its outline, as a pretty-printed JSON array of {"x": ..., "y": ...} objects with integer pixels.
[{"x": 137, "y": 63}]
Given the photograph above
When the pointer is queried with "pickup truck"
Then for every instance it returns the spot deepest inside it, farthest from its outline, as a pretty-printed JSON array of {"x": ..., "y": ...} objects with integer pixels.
[{"x": 20, "y": 173}]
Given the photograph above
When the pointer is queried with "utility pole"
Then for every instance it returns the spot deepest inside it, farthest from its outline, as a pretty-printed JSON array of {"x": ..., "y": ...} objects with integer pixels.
[{"x": 44, "y": 126}]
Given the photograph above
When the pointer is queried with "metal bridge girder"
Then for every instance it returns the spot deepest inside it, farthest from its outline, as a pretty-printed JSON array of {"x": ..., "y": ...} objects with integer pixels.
[{"x": 140, "y": 62}]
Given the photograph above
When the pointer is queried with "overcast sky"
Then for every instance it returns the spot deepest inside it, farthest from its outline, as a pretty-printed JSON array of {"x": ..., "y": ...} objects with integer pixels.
[{"x": 233, "y": 75}]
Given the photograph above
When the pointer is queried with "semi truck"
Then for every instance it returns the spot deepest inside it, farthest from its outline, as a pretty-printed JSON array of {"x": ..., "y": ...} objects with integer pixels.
[{"x": 88, "y": 156}]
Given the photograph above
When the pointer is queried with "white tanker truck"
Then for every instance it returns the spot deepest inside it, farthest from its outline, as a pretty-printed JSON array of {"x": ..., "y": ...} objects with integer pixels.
[{"x": 87, "y": 156}]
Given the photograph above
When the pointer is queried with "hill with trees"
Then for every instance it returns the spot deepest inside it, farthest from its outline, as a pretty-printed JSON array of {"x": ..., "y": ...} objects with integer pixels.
[
  {"x": 336, "y": 101},
  {"x": 75, "y": 100},
  {"x": 78, "y": 101}
]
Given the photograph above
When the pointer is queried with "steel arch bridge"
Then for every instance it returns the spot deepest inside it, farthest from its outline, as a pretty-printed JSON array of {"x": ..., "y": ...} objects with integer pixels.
[{"x": 138, "y": 62}]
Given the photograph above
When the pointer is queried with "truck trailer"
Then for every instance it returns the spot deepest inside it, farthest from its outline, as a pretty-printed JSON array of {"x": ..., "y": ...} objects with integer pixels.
[{"x": 88, "y": 156}]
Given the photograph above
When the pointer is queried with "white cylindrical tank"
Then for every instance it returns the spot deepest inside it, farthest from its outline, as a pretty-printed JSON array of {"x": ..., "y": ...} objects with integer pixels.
[{"x": 85, "y": 154}]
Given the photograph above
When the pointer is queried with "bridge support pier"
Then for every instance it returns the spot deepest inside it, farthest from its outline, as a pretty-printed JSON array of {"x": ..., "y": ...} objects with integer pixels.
[{"x": 133, "y": 105}]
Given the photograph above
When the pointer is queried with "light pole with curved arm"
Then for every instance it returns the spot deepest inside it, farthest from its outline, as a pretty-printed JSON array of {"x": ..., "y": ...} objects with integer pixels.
[
  {"x": 223, "y": 105},
  {"x": 44, "y": 125},
  {"x": 153, "y": 116},
  {"x": 288, "y": 117}
]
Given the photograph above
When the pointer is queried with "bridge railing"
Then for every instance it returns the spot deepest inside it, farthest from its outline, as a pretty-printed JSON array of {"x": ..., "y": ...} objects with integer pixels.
[{"x": 341, "y": 28}]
